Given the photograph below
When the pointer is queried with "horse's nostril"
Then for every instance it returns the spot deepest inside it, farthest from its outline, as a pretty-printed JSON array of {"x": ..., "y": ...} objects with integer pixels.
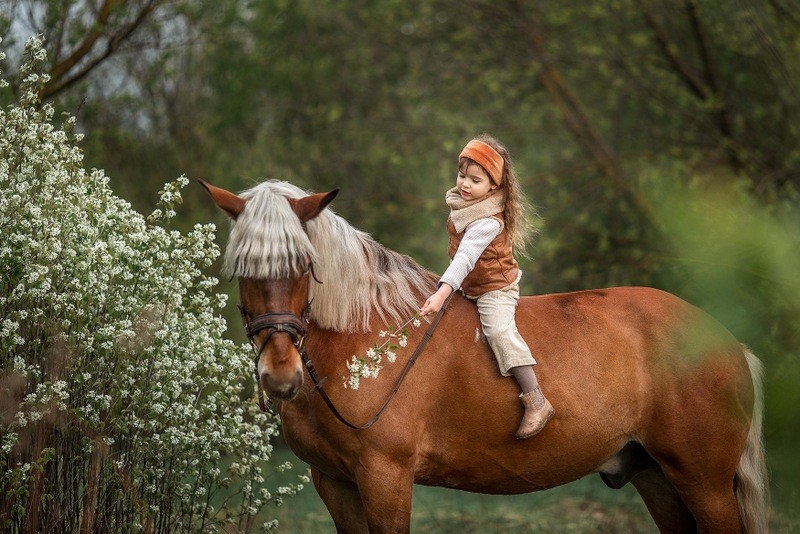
[{"x": 284, "y": 389}]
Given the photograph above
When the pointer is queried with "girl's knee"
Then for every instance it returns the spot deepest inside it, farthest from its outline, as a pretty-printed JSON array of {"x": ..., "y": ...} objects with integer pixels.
[
  {"x": 500, "y": 339},
  {"x": 488, "y": 332}
]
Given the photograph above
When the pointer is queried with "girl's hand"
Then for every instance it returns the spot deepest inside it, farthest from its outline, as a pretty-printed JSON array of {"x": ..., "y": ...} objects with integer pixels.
[{"x": 435, "y": 301}]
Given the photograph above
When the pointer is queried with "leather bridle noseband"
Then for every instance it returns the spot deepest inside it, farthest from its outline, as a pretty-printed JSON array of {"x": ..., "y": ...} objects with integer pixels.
[{"x": 274, "y": 322}]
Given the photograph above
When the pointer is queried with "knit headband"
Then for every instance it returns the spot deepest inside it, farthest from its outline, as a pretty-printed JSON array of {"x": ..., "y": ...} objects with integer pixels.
[{"x": 485, "y": 156}]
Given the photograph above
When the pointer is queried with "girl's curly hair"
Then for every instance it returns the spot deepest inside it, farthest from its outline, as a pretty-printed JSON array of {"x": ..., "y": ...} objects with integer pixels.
[{"x": 517, "y": 211}]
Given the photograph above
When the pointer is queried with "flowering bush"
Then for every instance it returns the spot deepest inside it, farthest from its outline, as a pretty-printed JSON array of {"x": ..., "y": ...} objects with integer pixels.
[
  {"x": 372, "y": 363},
  {"x": 122, "y": 407}
]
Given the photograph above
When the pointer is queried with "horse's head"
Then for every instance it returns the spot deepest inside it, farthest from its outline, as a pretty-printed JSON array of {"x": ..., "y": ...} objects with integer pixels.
[{"x": 274, "y": 300}]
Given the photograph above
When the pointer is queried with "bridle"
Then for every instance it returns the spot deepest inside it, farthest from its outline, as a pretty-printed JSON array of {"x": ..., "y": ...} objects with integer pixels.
[
  {"x": 296, "y": 328},
  {"x": 274, "y": 322}
]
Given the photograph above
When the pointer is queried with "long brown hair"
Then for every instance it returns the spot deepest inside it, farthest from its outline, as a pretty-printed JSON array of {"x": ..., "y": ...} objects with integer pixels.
[{"x": 517, "y": 211}]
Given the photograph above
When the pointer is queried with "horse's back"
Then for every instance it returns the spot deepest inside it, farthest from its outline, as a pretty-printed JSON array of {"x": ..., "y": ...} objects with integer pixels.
[{"x": 647, "y": 322}]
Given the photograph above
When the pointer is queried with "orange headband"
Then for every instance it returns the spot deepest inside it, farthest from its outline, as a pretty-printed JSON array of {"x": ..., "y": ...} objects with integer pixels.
[{"x": 485, "y": 156}]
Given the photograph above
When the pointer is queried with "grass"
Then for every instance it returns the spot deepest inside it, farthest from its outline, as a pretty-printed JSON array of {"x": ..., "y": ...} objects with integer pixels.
[{"x": 584, "y": 506}]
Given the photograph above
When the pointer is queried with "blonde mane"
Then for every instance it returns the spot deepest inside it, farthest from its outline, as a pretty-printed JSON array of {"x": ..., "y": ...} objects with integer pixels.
[{"x": 358, "y": 274}]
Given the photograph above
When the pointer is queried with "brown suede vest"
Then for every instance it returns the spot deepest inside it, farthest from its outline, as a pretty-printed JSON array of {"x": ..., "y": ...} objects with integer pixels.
[{"x": 495, "y": 269}]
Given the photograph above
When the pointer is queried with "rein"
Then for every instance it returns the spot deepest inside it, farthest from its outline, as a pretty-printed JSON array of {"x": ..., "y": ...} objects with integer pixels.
[
  {"x": 295, "y": 328},
  {"x": 320, "y": 383}
]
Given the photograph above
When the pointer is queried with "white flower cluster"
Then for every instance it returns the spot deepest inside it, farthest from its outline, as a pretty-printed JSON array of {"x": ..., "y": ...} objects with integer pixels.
[
  {"x": 111, "y": 341},
  {"x": 370, "y": 365}
]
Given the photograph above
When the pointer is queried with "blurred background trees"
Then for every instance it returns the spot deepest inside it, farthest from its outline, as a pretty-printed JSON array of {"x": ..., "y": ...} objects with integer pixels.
[{"x": 658, "y": 140}]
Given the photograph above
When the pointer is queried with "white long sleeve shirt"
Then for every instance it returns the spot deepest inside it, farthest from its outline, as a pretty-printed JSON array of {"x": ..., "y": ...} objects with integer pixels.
[{"x": 477, "y": 236}]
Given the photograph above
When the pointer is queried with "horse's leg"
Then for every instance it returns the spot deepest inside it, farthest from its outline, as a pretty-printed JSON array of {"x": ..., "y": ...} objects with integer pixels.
[
  {"x": 702, "y": 471},
  {"x": 386, "y": 490},
  {"x": 698, "y": 445},
  {"x": 666, "y": 508},
  {"x": 343, "y": 502},
  {"x": 711, "y": 499}
]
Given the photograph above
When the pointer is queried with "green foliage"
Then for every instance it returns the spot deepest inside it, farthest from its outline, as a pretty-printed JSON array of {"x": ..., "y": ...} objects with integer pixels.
[
  {"x": 737, "y": 259},
  {"x": 123, "y": 406}
]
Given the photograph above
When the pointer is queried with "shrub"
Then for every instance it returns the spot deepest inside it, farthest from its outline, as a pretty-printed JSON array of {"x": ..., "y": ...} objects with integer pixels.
[{"x": 122, "y": 406}]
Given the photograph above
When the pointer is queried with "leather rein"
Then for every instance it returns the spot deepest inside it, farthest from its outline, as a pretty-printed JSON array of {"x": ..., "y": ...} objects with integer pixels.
[{"x": 296, "y": 328}]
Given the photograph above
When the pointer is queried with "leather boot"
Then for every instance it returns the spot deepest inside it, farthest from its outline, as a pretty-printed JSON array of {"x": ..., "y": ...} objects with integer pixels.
[{"x": 538, "y": 412}]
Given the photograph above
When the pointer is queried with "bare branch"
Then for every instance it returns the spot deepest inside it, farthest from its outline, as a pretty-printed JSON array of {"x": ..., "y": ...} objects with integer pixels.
[
  {"x": 669, "y": 49},
  {"x": 114, "y": 41},
  {"x": 62, "y": 75},
  {"x": 690, "y": 6},
  {"x": 82, "y": 50}
]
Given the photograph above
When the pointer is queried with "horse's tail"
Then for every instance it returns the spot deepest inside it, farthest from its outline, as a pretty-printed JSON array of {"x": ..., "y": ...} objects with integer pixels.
[{"x": 751, "y": 483}]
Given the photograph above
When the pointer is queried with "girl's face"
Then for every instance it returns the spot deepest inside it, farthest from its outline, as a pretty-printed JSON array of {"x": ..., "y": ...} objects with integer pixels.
[{"x": 473, "y": 182}]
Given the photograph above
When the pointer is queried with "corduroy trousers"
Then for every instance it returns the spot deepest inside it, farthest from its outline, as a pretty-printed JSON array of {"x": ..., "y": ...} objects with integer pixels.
[{"x": 498, "y": 310}]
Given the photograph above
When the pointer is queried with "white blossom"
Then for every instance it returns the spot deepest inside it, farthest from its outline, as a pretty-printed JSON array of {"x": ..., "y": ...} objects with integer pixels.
[
  {"x": 124, "y": 302},
  {"x": 371, "y": 364}
]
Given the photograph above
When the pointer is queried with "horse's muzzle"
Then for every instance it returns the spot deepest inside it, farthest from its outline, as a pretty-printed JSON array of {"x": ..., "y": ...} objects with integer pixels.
[{"x": 285, "y": 386}]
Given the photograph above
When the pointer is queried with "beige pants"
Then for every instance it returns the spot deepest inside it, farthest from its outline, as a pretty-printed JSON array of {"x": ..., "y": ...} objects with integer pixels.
[{"x": 497, "y": 310}]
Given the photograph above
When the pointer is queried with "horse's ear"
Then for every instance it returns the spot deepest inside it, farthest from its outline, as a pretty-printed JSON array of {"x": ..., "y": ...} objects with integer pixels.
[
  {"x": 309, "y": 207},
  {"x": 225, "y": 200}
]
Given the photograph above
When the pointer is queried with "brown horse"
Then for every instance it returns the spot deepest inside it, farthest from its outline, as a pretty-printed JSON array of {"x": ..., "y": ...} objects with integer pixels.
[{"x": 647, "y": 388}]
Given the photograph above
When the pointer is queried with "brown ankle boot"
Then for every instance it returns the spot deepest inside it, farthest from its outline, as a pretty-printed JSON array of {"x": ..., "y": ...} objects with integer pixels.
[{"x": 538, "y": 412}]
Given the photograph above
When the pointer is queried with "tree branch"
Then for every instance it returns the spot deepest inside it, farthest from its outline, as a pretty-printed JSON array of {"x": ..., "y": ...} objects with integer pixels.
[
  {"x": 82, "y": 50},
  {"x": 784, "y": 12},
  {"x": 576, "y": 117},
  {"x": 568, "y": 103},
  {"x": 55, "y": 86},
  {"x": 684, "y": 71}
]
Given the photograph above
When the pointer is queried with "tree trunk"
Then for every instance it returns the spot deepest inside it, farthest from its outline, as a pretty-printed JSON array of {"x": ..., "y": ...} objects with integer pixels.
[{"x": 92, "y": 488}]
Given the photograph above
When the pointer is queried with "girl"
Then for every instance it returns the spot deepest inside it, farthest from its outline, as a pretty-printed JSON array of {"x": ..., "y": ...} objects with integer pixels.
[{"x": 487, "y": 220}]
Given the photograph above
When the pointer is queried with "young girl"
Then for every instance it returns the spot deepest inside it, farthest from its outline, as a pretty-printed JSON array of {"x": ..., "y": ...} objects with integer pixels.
[{"x": 487, "y": 219}]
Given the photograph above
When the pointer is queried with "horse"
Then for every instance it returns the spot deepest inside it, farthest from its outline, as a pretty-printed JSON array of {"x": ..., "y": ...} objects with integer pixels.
[{"x": 647, "y": 388}]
